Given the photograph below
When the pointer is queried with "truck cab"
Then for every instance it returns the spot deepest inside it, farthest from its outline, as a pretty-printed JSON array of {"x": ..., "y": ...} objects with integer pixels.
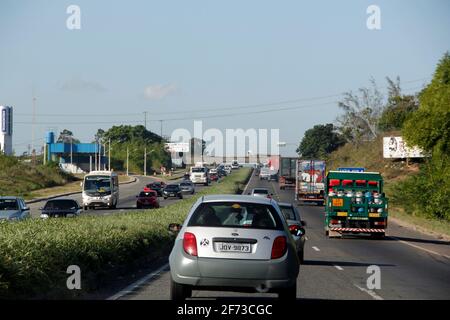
[
  {"x": 199, "y": 174},
  {"x": 355, "y": 204}
]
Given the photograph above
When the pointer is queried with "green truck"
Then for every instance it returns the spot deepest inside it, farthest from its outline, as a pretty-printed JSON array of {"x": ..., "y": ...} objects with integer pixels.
[{"x": 355, "y": 203}]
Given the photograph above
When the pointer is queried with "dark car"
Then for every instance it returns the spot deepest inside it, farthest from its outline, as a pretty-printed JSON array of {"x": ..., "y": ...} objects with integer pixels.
[
  {"x": 147, "y": 199},
  {"x": 173, "y": 191},
  {"x": 221, "y": 172},
  {"x": 296, "y": 226},
  {"x": 60, "y": 208},
  {"x": 214, "y": 176},
  {"x": 157, "y": 186}
]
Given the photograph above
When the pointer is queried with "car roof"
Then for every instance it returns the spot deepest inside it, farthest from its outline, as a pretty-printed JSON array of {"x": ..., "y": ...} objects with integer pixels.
[
  {"x": 9, "y": 198},
  {"x": 61, "y": 199},
  {"x": 265, "y": 189},
  {"x": 236, "y": 198},
  {"x": 285, "y": 204}
]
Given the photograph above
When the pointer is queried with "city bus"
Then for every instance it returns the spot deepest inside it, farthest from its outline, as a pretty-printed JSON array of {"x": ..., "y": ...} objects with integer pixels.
[{"x": 100, "y": 189}]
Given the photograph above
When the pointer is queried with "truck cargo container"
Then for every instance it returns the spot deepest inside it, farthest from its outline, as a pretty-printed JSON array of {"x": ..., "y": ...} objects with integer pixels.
[{"x": 309, "y": 181}]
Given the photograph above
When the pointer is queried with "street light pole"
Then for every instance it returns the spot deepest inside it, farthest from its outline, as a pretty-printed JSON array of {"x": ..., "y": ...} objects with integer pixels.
[
  {"x": 109, "y": 154},
  {"x": 145, "y": 161}
]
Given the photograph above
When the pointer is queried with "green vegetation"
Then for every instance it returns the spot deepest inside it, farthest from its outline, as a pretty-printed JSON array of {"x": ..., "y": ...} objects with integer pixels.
[
  {"x": 320, "y": 141},
  {"x": 35, "y": 254},
  {"x": 137, "y": 140},
  {"x": 420, "y": 190},
  {"x": 19, "y": 178}
]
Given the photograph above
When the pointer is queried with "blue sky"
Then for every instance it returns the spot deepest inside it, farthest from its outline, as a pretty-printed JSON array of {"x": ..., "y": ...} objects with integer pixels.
[{"x": 170, "y": 57}]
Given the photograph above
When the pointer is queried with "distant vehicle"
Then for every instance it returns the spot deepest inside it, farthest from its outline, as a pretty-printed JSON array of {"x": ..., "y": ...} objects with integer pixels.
[
  {"x": 264, "y": 173},
  {"x": 147, "y": 198},
  {"x": 355, "y": 203},
  {"x": 100, "y": 189},
  {"x": 296, "y": 226},
  {"x": 157, "y": 186},
  {"x": 221, "y": 172},
  {"x": 287, "y": 174},
  {"x": 234, "y": 165},
  {"x": 60, "y": 208},
  {"x": 172, "y": 191},
  {"x": 13, "y": 209},
  {"x": 199, "y": 175},
  {"x": 234, "y": 242},
  {"x": 187, "y": 187},
  {"x": 227, "y": 168},
  {"x": 309, "y": 182},
  {"x": 212, "y": 171},
  {"x": 261, "y": 192}
]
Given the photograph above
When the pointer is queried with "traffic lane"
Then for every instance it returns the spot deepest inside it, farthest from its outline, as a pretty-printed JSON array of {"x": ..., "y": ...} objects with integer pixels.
[
  {"x": 125, "y": 194},
  {"x": 128, "y": 201},
  {"x": 407, "y": 272},
  {"x": 314, "y": 281}
]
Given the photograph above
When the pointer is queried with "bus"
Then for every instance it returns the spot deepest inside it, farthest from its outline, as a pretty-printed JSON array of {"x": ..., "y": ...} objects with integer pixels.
[{"x": 100, "y": 189}]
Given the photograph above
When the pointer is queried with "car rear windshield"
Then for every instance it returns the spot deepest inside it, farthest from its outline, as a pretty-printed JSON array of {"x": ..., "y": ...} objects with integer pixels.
[
  {"x": 236, "y": 215},
  {"x": 8, "y": 204},
  {"x": 199, "y": 169},
  {"x": 288, "y": 212},
  {"x": 172, "y": 187},
  {"x": 185, "y": 184},
  {"x": 60, "y": 205},
  {"x": 144, "y": 194},
  {"x": 261, "y": 191}
]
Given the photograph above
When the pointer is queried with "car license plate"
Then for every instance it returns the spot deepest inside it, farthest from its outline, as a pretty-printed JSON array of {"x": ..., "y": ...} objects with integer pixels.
[
  {"x": 338, "y": 202},
  {"x": 172, "y": 194},
  {"x": 232, "y": 247}
]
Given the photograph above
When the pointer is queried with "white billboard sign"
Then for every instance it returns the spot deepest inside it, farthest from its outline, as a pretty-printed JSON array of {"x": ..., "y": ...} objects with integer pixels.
[
  {"x": 177, "y": 147},
  {"x": 396, "y": 148}
]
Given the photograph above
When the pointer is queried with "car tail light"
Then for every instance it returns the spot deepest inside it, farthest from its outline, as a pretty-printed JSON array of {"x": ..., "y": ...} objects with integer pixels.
[
  {"x": 190, "y": 244},
  {"x": 279, "y": 247},
  {"x": 379, "y": 223},
  {"x": 335, "y": 221},
  {"x": 294, "y": 228}
]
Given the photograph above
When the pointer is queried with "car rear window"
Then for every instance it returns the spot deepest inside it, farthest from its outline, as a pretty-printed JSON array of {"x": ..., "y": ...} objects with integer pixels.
[
  {"x": 261, "y": 191},
  {"x": 236, "y": 215},
  {"x": 172, "y": 187},
  {"x": 199, "y": 169},
  {"x": 60, "y": 205},
  {"x": 288, "y": 212},
  {"x": 8, "y": 204}
]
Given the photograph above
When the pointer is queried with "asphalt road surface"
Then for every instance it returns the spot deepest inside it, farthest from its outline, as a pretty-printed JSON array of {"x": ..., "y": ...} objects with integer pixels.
[
  {"x": 412, "y": 265},
  {"x": 127, "y": 198}
]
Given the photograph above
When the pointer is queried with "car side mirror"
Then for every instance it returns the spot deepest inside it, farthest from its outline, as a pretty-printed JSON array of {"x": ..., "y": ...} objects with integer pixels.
[
  {"x": 26, "y": 209},
  {"x": 303, "y": 223},
  {"x": 81, "y": 184},
  {"x": 174, "y": 227}
]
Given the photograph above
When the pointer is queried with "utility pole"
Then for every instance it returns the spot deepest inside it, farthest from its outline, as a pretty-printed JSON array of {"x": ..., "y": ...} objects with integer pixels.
[
  {"x": 71, "y": 151},
  {"x": 109, "y": 155},
  {"x": 127, "y": 160},
  {"x": 145, "y": 161},
  {"x": 33, "y": 121},
  {"x": 160, "y": 125},
  {"x": 145, "y": 120}
]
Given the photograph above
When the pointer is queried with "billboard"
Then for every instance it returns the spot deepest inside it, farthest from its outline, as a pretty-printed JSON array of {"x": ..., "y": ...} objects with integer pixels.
[
  {"x": 396, "y": 148},
  {"x": 177, "y": 147}
]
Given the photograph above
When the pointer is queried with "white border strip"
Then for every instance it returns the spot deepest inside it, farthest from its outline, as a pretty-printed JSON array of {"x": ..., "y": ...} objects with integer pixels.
[{"x": 132, "y": 287}]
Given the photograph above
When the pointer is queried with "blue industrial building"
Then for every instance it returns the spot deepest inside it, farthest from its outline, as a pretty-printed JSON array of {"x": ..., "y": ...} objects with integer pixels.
[{"x": 76, "y": 157}]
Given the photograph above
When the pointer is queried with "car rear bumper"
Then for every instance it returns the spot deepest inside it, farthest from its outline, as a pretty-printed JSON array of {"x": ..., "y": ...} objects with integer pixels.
[{"x": 234, "y": 273}]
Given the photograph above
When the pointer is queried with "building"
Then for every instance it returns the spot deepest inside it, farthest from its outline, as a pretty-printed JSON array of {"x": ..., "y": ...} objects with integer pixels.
[
  {"x": 6, "y": 129},
  {"x": 76, "y": 157}
]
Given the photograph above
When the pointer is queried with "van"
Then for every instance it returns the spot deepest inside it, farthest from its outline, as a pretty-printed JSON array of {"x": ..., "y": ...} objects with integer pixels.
[{"x": 199, "y": 175}]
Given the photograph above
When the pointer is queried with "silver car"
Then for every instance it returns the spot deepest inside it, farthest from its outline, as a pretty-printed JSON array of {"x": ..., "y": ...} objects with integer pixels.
[
  {"x": 296, "y": 227},
  {"x": 261, "y": 192},
  {"x": 13, "y": 208},
  {"x": 187, "y": 187},
  {"x": 234, "y": 242}
]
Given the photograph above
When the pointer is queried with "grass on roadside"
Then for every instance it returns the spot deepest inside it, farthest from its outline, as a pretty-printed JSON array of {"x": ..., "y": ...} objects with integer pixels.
[{"x": 35, "y": 254}]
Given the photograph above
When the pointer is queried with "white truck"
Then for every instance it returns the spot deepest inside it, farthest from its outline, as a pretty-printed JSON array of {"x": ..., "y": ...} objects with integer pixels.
[
  {"x": 199, "y": 174},
  {"x": 100, "y": 189}
]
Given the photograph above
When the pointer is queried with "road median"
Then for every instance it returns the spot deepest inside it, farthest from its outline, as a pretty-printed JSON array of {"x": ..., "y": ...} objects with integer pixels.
[{"x": 36, "y": 254}]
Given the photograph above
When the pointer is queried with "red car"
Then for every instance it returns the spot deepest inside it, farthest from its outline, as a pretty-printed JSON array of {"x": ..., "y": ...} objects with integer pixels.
[
  {"x": 147, "y": 199},
  {"x": 213, "y": 177}
]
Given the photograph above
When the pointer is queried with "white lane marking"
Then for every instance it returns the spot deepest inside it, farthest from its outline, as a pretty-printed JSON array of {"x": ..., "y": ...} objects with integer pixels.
[
  {"x": 369, "y": 292},
  {"x": 315, "y": 248},
  {"x": 248, "y": 182},
  {"x": 338, "y": 267},
  {"x": 132, "y": 287},
  {"x": 419, "y": 247}
]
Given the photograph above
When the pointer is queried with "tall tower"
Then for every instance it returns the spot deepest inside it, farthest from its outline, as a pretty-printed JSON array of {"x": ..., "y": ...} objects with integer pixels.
[{"x": 6, "y": 129}]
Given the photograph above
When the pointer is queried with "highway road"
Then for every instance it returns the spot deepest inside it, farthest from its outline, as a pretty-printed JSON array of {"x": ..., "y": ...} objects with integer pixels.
[
  {"x": 127, "y": 198},
  {"x": 412, "y": 265}
]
